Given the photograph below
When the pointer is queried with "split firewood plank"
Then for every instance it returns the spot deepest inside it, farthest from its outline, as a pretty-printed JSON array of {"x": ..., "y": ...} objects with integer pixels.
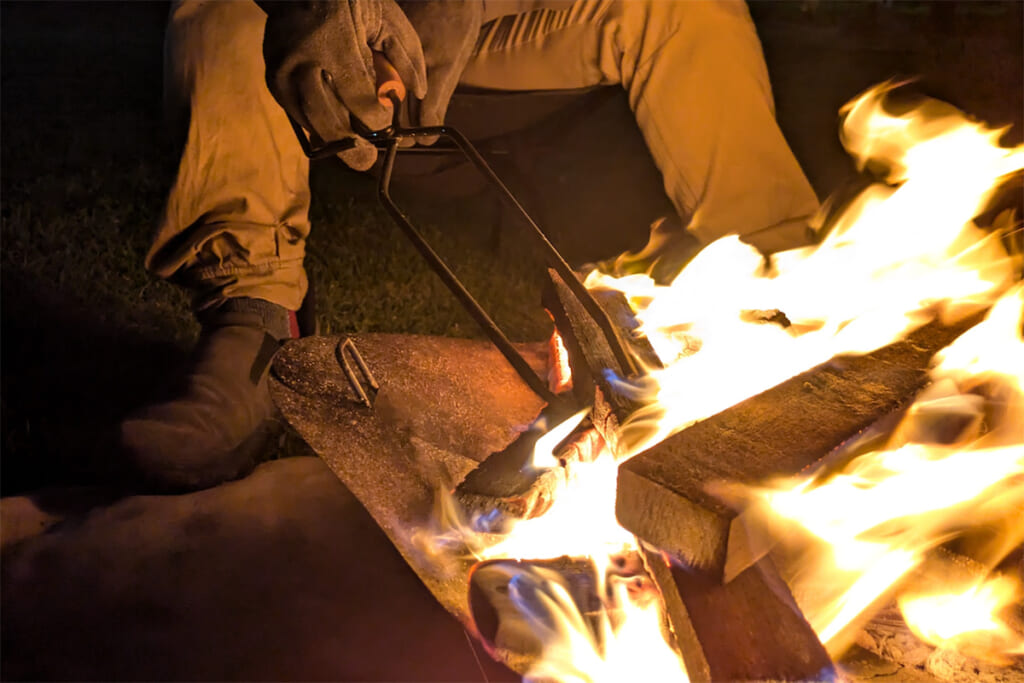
[
  {"x": 443, "y": 406},
  {"x": 663, "y": 493},
  {"x": 506, "y": 487},
  {"x": 747, "y": 630},
  {"x": 505, "y": 482},
  {"x": 591, "y": 358}
]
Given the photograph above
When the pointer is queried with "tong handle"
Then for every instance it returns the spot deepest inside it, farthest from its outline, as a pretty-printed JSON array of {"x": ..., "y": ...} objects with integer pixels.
[{"x": 389, "y": 83}]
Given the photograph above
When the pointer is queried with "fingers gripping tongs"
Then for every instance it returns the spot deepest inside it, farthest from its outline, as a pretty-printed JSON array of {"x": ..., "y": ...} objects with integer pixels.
[{"x": 391, "y": 91}]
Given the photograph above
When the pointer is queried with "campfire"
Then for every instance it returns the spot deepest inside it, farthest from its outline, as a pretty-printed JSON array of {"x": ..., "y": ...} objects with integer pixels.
[{"x": 821, "y": 449}]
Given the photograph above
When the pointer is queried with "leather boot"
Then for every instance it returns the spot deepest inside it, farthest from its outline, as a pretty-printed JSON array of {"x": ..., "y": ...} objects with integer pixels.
[{"x": 219, "y": 425}]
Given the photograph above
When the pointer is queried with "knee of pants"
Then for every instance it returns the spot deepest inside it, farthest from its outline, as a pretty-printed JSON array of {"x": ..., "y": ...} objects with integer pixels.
[
  {"x": 706, "y": 31},
  {"x": 241, "y": 169}
]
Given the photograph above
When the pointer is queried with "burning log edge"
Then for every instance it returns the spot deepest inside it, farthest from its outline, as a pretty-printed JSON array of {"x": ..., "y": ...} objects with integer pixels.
[
  {"x": 503, "y": 482},
  {"x": 663, "y": 497},
  {"x": 663, "y": 494},
  {"x": 590, "y": 358},
  {"x": 747, "y": 630}
]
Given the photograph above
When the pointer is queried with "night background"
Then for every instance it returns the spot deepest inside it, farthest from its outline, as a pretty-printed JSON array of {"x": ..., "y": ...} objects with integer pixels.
[{"x": 88, "y": 335}]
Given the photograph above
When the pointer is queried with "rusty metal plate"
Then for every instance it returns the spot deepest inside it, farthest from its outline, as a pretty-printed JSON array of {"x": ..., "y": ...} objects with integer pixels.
[{"x": 444, "y": 405}]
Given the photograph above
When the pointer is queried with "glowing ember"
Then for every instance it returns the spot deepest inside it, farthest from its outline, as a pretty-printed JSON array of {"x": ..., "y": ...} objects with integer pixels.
[
  {"x": 969, "y": 620},
  {"x": 559, "y": 374}
]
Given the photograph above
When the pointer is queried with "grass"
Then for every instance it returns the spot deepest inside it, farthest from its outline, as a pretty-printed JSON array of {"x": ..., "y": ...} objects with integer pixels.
[
  {"x": 368, "y": 278},
  {"x": 88, "y": 335}
]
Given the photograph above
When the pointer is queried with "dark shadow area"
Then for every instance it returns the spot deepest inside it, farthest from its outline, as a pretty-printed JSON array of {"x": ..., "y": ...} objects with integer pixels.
[
  {"x": 67, "y": 381},
  {"x": 302, "y": 585},
  {"x": 821, "y": 55},
  {"x": 82, "y": 179}
]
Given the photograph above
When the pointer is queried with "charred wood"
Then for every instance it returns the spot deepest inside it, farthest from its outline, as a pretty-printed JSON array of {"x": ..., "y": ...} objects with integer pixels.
[
  {"x": 749, "y": 629},
  {"x": 590, "y": 357},
  {"x": 505, "y": 482},
  {"x": 506, "y": 487}
]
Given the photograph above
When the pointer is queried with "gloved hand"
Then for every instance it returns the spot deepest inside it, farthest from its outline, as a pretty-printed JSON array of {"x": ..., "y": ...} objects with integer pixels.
[
  {"x": 320, "y": 65},
  {"x": 448, "y": 31}
]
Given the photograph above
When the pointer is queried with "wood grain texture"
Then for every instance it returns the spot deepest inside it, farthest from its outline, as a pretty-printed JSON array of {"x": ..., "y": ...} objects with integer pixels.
[{"x": 663, "y": 493}]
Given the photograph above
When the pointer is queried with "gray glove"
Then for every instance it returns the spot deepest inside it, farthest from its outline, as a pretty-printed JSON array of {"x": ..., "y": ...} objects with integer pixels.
[
  {"x": 448, "y": 30},
  {"x": 320, "y": 65}
]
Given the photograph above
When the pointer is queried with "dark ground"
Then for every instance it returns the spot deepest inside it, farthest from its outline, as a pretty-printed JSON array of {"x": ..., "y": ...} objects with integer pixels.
[{"x": 87, "y": 334}]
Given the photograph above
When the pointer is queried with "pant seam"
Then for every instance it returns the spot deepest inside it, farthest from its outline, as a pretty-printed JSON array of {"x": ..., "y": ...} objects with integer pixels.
[{"x": 213, "y": 272}]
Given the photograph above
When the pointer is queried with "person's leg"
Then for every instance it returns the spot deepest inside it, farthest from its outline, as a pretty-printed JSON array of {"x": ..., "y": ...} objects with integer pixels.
[
  {"x": 233, "y": 231},
  {"x": 698, "y": 86},
  {"x": 236, "y": 218}
]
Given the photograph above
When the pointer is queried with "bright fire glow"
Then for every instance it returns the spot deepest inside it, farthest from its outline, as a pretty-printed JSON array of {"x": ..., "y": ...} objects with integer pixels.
[
  {"x": 968, "y": 620},
  {"x": 626, "y": 642},
  {"x": 622, "y": 642},
  {"x": 559, "y": 372},
  {"x": 880, "y": 517},
  {"x": 580, "y": 523},
  {"x": 899, "y": 255},
  {"x": 730, "y": 326},
  {"x": 873, "y": 521}
]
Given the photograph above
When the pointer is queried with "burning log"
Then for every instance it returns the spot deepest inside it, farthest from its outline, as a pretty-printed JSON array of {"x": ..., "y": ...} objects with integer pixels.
[
  {"x": 749, "y": 629},
  {"x": 590, "y": 358},
  {"x": 663, "y": 493},
  {"x": 505, "y": 482}
]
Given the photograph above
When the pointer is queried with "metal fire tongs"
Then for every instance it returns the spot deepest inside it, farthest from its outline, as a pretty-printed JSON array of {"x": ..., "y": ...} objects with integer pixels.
[{"x": 391, "y": 90}]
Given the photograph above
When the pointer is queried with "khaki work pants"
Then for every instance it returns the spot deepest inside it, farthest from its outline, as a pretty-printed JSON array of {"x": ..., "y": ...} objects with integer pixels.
[{"x": 236, "y": 217}]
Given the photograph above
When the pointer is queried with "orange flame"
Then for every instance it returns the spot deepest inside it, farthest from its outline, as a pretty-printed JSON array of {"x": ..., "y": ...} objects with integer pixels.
[
  {"x": 863, "y": 529},
  {"x": 896, "y": 258},
  {"x": 901, "y": 254},
  {"x": 968, "y": 620},
  {"x": 623, "y": 641}
]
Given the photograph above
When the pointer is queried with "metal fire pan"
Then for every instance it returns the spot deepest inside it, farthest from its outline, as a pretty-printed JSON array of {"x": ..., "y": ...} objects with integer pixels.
[{"x": 443, "y": 406}]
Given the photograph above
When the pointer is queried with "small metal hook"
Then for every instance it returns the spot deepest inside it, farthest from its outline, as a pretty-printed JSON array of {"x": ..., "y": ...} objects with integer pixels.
[{"x": 354, "y": 380}]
